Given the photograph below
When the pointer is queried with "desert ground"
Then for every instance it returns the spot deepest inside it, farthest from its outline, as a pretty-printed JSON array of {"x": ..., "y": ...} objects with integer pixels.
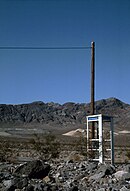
[{"x": 20, "y": 138}]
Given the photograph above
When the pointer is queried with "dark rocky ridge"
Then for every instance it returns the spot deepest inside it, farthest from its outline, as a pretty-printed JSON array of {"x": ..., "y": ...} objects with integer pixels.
[{"x": 66, "y": 114}]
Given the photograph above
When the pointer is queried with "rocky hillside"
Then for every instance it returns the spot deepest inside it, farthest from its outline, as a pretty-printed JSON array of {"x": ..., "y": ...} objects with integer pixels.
[{"x": 66, "y": 114}]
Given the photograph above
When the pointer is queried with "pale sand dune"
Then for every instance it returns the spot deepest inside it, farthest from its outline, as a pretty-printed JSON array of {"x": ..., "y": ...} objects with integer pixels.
[
  {"x": 2, "y": 133},
  {"x": 75, "y": 133}
]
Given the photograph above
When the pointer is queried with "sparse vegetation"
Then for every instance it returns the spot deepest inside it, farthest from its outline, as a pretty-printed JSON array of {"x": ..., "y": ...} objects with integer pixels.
[
  {"x": 81, "y": 145},
  {"x": 46, "y": 147},
  {"x": 128, "y": 154},
  {"x": 5, "y": 151}
]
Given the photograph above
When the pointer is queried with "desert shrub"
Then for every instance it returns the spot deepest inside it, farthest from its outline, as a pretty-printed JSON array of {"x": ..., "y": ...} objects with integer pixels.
[
  {"x": 5, "y": 151},
  {"x": 128, "y": 154},
  {"x": 81, "y": 145},
  {"x": 46, "y": 147}
]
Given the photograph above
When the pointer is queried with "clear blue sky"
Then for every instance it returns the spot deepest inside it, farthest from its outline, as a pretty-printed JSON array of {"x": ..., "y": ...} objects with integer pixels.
[{"x": 64, "y": 75}]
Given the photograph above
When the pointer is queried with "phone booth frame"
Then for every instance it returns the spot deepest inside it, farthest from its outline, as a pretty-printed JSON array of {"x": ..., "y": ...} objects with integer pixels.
[{"x": 96, "y": 145}]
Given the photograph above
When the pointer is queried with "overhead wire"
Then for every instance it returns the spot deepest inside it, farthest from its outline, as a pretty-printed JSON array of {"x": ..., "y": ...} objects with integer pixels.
[{"x": 43, "y": 48}]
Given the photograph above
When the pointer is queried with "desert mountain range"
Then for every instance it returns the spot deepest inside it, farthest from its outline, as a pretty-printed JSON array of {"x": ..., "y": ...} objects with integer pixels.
[{"x": 66, "y": 114}]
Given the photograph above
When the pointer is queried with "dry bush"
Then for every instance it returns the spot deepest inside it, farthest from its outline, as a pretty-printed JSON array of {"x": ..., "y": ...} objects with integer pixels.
[
  {"x": 47, "y": 147},
  {"x": 128, "y": 154},
  {"x": 81, "y": 145},
  {"x": 5, "y": 151}
]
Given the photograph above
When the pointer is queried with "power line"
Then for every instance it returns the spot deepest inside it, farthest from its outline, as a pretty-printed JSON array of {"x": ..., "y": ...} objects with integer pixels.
[{"x": 43, "y": 48}]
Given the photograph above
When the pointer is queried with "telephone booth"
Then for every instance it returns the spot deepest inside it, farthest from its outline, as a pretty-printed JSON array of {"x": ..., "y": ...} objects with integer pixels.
[{"x": 100, "y": 138}]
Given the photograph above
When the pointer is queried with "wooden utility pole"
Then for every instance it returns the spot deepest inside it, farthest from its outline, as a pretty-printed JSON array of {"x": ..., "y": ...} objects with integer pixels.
[{"x": 93, "y": 84}]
